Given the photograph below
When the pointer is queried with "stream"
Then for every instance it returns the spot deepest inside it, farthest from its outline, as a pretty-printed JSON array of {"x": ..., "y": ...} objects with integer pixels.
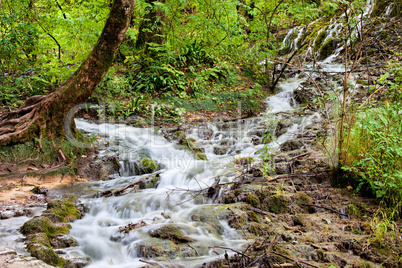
[
  {"x": 170, "y": 202},
  {"x": 98, "y": 231}
]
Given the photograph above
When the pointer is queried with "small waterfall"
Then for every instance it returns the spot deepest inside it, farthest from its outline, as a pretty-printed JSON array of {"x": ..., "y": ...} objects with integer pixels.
[{"x": 387, "y": 13}]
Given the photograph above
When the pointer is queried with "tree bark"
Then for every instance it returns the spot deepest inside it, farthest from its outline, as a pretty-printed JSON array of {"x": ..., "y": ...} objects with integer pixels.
[
  {"x": 151, "y": 28},
  {"x": 43, "y": 116}
]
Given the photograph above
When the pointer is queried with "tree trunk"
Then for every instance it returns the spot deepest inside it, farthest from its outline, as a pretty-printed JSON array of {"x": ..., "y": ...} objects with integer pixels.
[
  {"x": 151, "y": 27},
  {"x": 45, "y": 115}
]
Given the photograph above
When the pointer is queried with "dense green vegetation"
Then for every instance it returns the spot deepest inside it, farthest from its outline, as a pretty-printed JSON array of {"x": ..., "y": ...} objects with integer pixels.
[{"x": 204, "y": 49}]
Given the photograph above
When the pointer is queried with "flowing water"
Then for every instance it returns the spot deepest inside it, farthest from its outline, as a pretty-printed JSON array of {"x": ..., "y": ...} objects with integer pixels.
[
  {"x": 180, "y": 173},
  {"x": 97, "y": 232}
]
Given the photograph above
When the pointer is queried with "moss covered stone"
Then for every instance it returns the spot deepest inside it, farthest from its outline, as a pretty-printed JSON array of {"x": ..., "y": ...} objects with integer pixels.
[
  {"x": 201, "y": 156},
  {"x": 208, "y": 215},
  {"x": 244, "y": 160},
  {"x": 276, "y": 204},
  {"x": 253, "y": 200},
  {"x": 327, "y": 48},
  {"x": 170, "y": 232},
  {"x": 148, "y": 165},
  {"x": 48, "y": 231},
  {"x": 319, "y": 39},
  {"x": 229, "y": 198},
  {"x": 43, "y": 225},
  {"x": 45, "y": 254},
  {"x": 252, "y": 216},
  {"x": 64, "y": 208}
]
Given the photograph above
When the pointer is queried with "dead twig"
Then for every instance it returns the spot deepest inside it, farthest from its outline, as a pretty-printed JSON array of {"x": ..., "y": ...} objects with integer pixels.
[
  {"x": 119, "y": 191},
  {"x": 238, "y": 252},
  {"x": 198, "y": 254},
  {"x": 293, "y": 260},
  {"x": 256, "y": 210},
  {"x": 152, "y": 263},
  {"x": 327, "y": 208}
]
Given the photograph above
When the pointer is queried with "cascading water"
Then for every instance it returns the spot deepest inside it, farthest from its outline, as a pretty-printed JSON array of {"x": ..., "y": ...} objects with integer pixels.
[{"x": 98, "y": 231}]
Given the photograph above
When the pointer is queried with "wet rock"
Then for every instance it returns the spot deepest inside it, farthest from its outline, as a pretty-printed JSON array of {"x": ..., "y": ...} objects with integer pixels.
[
  {"x": 203, "y": 133},
  {"x": 282, "y": 168},
  {"x": 76, "y": 261},
  {"x": 148, "y": 165},
  {"x": 244, "y": 160},
  {"x": 276, "y": 204},
  {"x": 283, "y": 126},
  {"x": 104, "y": 169},
  {"x": 7, "y": 215},
  {"x": 291, "y": 145},
  {"x": 172, "y": 233},
  {"x": 210, "y": 216},
  {"x": 10, "y": 259},
  {"x": 39, "y": 247},
  {"x": 150, "y": 183},
  {"x": 220, "y": 150},
  {"x": 227, "y": 125},
  {"x": 63, "y": 241}
]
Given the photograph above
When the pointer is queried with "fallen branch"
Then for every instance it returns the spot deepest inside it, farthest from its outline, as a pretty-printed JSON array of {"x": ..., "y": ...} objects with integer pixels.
[
  {"x": 283, "y": 265},
  {"x": 327, "y": 208},
  {"x": 256, "y": 210},
  {"x": 293, "y": 260},
  {"x": 198, "y": 254},
  {"x": 119, "y": 191},
  {"x": 152, "y": 263},
  {"x": 297, "y": 156},
  {"x": 238, "y": 252}
]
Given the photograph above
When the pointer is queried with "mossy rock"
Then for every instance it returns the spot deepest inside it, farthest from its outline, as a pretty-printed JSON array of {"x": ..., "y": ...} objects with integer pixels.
[
  {"x": 319, "y": 39},
  {"x": 46, "y": 231},
  {"x": 276, "y": 204},
  {"x": 42, "y": 225},
  {"x": 170, "y": 232},
  {"x": 327, "y": 48},
  {"x": 64, "y": 208},
  {"x": 198, "y": 152},
  {"x": 302, "y": 198},
  {"x": 244, "y": 160},
  {"x": 253, "y": 200},
  {"x": 148, "y": 165},
  {"x": 252, "y": 216},
  {"x": 208, "y": 216},
  {"x": 46, "y": 254},
  {"x": 201, "y": 156},
  {"x": 255, "y": 228},
  {"x": 179, "y": 135},
  {"x": 39, "y": 247},
  {"x": 151, "y": 183},
  {"x": 229, "y": 198}
]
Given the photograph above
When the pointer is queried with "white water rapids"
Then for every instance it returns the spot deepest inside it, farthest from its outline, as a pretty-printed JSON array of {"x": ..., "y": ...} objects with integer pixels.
[{"x": 97, "y": 232}]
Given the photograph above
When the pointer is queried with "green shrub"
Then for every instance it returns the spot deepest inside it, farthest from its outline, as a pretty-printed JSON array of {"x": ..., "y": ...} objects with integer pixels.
[{"x": 376, "y": 142}]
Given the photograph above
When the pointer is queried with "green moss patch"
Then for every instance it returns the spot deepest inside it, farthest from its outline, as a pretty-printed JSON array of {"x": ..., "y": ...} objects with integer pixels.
[
  {"x": 64, "y": 208},
  {"x": 44, "y": 231},
  {"x": 149, "y": 165},
  {"x": 170, "y": 232},
  {"x": 276, "y": 204}
]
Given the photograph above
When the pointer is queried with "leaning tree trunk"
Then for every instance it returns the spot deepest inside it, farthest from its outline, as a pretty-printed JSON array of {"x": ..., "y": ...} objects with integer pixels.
[{"x": 42, "y": 116}]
